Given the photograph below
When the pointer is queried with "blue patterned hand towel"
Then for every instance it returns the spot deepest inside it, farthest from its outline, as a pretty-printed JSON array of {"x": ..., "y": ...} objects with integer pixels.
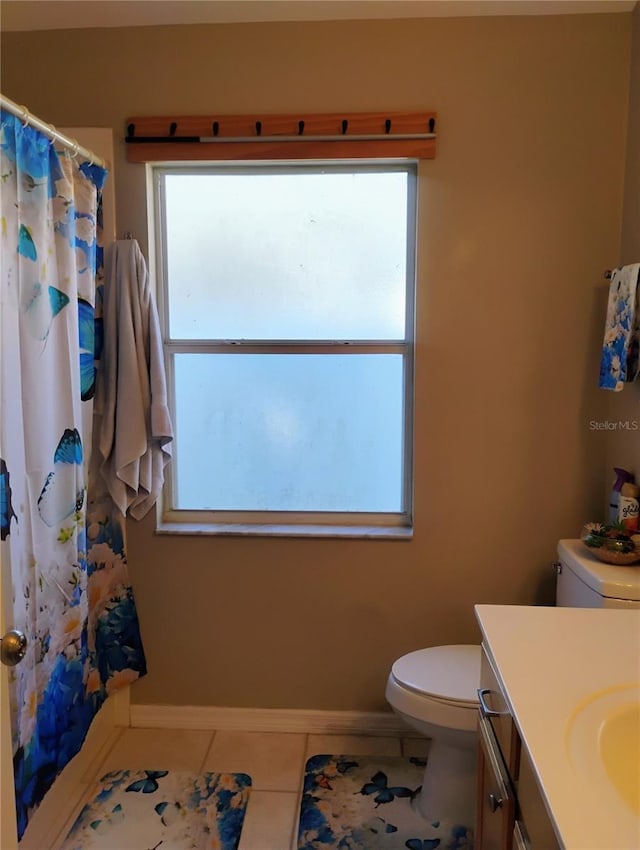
[{"x": 620, "y": 351}]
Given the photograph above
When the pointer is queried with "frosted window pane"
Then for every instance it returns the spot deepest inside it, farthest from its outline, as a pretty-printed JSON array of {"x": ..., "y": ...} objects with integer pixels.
[
  {"x": 289, "y": 432},
  {"x": 287, "y": 256}
]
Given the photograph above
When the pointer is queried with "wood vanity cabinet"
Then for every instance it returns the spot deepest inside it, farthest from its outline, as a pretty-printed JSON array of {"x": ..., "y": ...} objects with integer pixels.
[
  {"x": 495, "y": 816},
  {"x": 511, "y": 814},
  {"x": 498, "y": 764}
]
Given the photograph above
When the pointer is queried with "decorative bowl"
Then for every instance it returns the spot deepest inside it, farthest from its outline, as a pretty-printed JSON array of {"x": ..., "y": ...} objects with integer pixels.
[{"x": 612, "y": 550}]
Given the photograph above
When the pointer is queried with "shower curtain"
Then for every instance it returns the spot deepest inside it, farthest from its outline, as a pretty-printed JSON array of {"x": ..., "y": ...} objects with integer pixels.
[{"x": 61, "y": 535}]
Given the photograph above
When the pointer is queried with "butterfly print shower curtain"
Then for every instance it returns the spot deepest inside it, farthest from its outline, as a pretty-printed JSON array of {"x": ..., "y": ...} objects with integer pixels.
[{"x": 61, "y": 537}]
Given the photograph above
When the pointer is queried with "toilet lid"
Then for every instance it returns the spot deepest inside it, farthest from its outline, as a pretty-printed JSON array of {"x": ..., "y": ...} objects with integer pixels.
[{"x": 450, "y": 673}]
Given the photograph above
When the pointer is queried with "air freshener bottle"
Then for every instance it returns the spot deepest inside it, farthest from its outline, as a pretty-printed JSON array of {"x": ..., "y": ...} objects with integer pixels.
[
  {"x": 628, "y": 507},
  {"x": 622, "y": 477}
]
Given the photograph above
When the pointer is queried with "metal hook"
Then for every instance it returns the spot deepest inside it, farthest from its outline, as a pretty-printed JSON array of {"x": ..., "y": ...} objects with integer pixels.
[
  {"x": 25, "y": 117},
  {"x": 53, "y": 131}
]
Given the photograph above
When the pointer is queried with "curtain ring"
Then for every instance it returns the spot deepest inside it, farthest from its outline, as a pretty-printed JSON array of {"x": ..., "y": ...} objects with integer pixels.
[
  {"x": 76, "y": 149},
  {"x": 25, "y": 116}
]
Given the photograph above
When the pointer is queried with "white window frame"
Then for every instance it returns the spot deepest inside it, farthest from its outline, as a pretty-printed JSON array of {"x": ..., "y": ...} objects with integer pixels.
[{"x": 172, "y": 520}]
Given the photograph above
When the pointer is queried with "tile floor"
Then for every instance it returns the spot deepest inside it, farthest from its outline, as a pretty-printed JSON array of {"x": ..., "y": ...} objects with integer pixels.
[{"x": 274, "y": 760}]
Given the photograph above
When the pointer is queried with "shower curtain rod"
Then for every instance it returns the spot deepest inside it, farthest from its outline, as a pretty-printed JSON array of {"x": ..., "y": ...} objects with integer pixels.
[{"x": 50, "y": 131}]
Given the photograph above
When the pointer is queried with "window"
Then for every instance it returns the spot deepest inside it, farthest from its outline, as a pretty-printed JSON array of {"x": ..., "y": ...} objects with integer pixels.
[{"x": 286, "y": 294}]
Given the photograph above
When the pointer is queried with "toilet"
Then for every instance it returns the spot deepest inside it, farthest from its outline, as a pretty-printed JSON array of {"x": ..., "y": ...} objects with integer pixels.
[{"x": 435, "y": 690}]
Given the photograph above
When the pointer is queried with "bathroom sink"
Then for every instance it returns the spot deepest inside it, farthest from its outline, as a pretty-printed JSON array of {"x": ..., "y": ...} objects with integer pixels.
[
  {"x": 620, "y": 752},
  {"x": 603, "y": 742}
]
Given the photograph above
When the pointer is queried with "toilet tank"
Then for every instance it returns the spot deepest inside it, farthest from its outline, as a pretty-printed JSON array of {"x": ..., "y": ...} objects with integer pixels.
[{"x": 585, "y": 582}]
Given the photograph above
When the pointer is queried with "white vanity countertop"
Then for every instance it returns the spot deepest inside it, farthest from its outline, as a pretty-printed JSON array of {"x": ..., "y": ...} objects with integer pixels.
[{"x": 552, "y": 662}]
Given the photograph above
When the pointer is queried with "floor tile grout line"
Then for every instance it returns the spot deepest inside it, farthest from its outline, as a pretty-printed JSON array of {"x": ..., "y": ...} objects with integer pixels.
[
  {"x": 247, "y": 838},
  {"x": 207, "y": 750},
  {"x": 304, "y": 762},
  {"x": 92, "y": 773},
  {"x": 296, "y": 821},
  {"x": 293, "y": 832}
]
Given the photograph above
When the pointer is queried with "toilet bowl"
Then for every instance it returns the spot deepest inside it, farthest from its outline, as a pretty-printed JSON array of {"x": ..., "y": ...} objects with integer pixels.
[{"x": 435, "y": 691}]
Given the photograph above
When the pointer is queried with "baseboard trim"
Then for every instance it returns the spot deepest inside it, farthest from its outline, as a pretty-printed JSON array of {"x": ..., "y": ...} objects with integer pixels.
[{"x": 268, "y": 720}]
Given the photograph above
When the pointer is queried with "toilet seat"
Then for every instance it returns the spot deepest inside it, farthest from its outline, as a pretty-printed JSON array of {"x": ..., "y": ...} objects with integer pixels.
[{"x": 444, "y": 674}]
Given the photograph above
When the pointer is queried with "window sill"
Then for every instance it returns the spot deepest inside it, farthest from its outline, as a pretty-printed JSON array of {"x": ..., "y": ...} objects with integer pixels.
[{"x": 365, "y": 532}]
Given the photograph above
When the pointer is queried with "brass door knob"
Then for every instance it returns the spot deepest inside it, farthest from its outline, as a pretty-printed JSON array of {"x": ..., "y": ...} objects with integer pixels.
[{"x": 13, "y": 647}]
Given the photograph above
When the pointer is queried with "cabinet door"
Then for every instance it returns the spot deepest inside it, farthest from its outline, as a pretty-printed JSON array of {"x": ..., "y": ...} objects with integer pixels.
[
  {"x": 496, "y": 805},
  {"x": 532, "y": 810}
]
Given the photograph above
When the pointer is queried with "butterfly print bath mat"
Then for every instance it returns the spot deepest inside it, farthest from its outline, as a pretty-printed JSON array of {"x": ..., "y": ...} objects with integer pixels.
[
  {"x": 368, "y": 803},
  {"x": 162, "y": 810}
]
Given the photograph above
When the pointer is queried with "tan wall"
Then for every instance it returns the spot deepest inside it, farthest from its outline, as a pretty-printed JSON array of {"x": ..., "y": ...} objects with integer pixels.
[
  {"x": 623, "y": 444},
  {"x": 519, "y": 215}
]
